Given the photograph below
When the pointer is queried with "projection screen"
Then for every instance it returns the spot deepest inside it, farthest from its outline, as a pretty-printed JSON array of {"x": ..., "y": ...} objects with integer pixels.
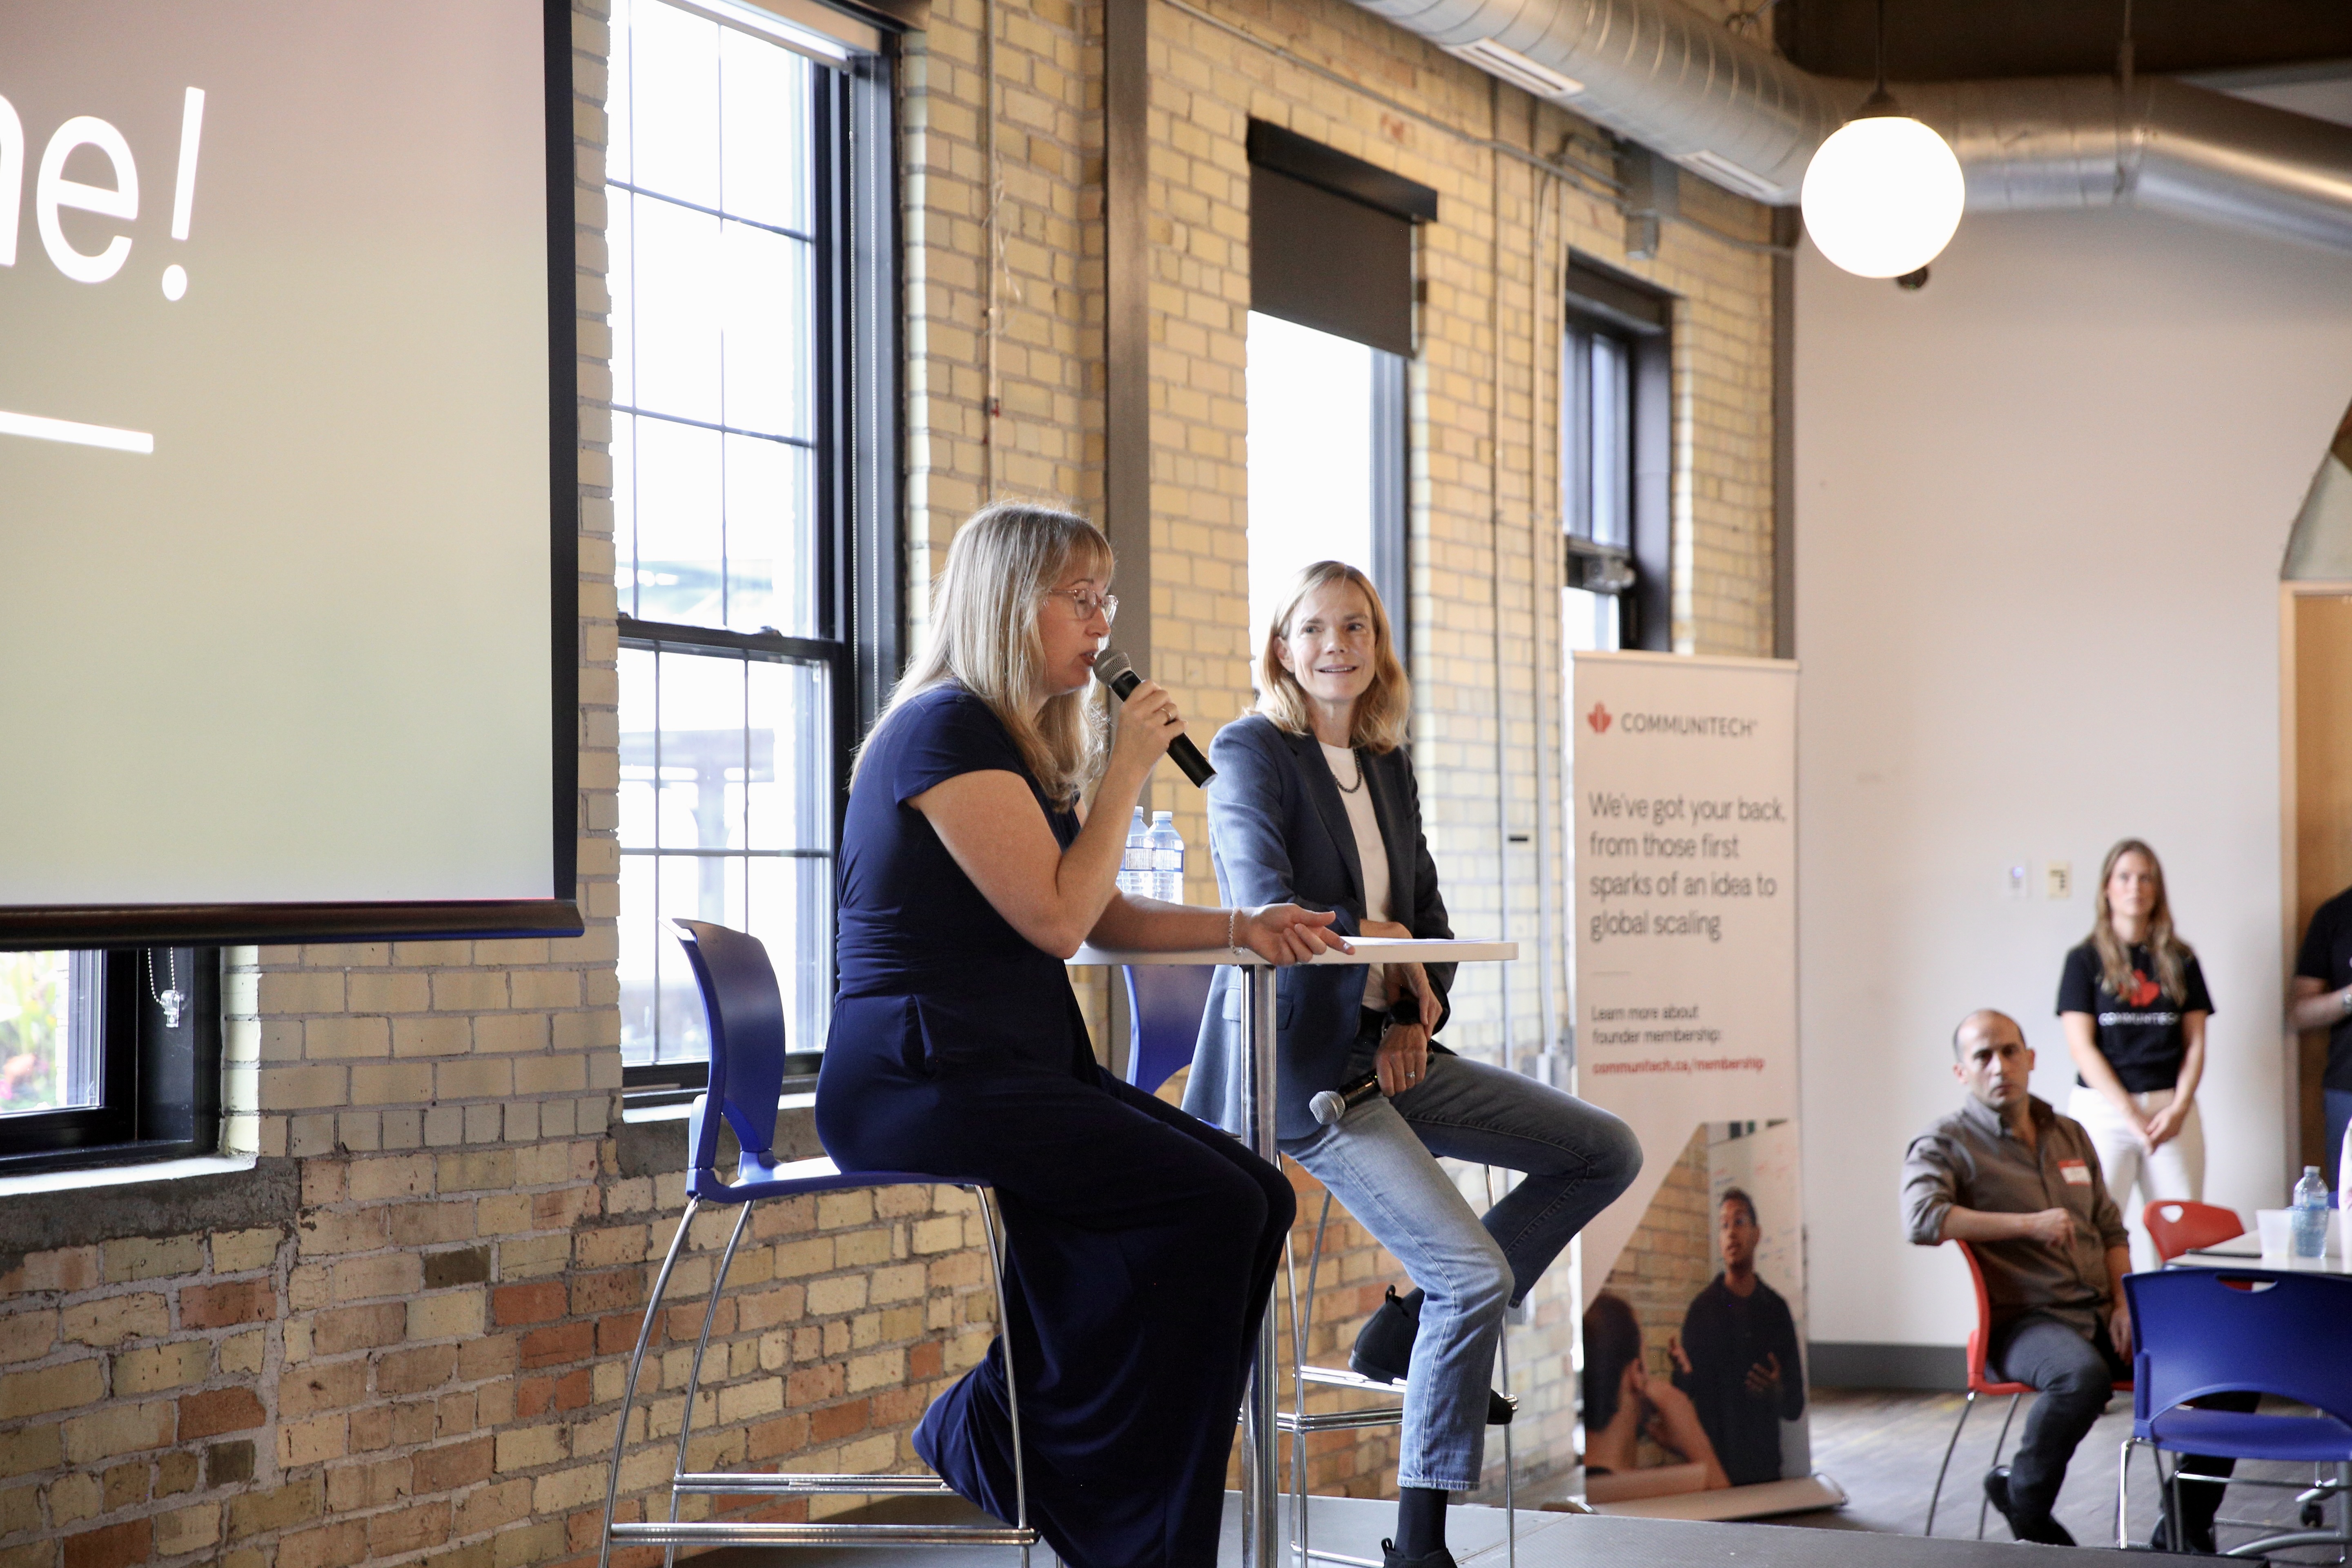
[{"x": 288, "y": 473}]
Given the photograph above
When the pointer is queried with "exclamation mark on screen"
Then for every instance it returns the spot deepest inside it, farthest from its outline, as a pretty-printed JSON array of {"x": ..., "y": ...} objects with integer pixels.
[{"x": 183, "y": 194}]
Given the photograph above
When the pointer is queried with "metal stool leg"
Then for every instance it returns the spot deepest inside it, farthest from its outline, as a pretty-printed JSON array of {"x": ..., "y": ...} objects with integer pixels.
[
  {"x": 629, "y": 1389},
  {"x": 694, "y": 1377},
  {"x": 1302, "y": 1312},
  {"x": 1936, "y": 1497},
  {"x": 996, "y": 1255},
  {"x": 1297, "y": 1398},
  {"x": 1502, "y": 1356},
  {"x": 2123, "y": 1493},
  {"x": 1984, "y": 1504}
]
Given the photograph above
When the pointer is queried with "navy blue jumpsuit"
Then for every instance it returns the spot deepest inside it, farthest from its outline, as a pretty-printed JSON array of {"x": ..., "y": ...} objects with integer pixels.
[{"x": 1143, "y": 1242}]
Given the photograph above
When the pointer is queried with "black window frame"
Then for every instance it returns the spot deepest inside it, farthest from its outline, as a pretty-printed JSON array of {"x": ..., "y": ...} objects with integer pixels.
[
  {"x": 159, "y": 1083},
  {"x": 858, "y": 464},
  {"x": 1603, "y": 303}
]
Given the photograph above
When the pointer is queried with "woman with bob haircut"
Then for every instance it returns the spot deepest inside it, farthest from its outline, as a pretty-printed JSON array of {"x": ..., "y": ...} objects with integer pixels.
[
  {"x": 2133, "y": 1002},
  {"x": 1314, "y": 804},
  {"x": 1143, "y": 1244}
]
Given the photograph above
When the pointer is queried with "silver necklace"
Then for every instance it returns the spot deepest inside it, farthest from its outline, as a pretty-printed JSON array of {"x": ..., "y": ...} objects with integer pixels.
[{"x": 173, "y": 1000}]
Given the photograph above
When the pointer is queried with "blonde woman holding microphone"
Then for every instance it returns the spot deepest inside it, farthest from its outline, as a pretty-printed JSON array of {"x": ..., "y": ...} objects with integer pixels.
[{"x": 1143, "y": 1244}]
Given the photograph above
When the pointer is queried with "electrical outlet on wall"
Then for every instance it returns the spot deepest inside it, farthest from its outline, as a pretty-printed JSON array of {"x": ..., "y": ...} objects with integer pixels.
[{"x": 2058, "y": 879}]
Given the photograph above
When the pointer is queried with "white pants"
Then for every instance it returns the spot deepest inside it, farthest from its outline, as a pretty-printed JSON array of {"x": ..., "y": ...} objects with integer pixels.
[{"x": 2177, "y": 1170}]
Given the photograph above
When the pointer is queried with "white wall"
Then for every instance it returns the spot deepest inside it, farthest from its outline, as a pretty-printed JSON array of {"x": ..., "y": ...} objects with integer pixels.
[{"x": 2041, "y": 505}]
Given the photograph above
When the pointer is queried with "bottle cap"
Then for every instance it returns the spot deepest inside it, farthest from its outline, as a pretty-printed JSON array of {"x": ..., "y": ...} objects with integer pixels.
[{"x": 1159, "y": 816}]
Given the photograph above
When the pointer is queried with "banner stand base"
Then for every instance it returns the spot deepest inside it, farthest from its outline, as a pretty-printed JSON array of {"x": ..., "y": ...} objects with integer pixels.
[{"x": 1761, "y": 1500}]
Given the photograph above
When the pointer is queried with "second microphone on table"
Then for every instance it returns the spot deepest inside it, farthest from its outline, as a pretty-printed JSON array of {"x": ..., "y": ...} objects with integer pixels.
[{"x": 1114, "y": 670}]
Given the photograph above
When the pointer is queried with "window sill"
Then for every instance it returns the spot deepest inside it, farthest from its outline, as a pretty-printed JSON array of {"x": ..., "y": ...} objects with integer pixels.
[
  {"x": 637, "y": 1115},
  {"x": 124, "y": 1176}
]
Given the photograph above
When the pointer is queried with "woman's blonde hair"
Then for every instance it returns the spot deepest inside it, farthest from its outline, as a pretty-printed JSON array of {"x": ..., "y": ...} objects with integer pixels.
[
  {"x": 1000, "y": 566},
  {"x": 1381, "y": 711},
  {"x": 2171, "y": 953}
]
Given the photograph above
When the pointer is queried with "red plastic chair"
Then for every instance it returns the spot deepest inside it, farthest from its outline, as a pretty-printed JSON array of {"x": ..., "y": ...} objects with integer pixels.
[
  {"x": 1981, "y": 1381},
  {"x": 2177, "y": 1225}
]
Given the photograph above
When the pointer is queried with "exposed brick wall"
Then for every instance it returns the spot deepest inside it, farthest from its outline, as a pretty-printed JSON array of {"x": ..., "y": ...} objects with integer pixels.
[
  {"x": 432, "y": 1360},
  {"x": 426, "y": 1362}
]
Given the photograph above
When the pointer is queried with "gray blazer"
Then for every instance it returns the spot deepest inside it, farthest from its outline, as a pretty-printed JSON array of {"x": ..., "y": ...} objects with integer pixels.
[{"x": 1278, "y": 833}]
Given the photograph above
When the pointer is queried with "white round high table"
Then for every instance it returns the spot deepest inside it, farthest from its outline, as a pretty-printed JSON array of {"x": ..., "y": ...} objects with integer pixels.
[{"x": 1261, "y": 1492}]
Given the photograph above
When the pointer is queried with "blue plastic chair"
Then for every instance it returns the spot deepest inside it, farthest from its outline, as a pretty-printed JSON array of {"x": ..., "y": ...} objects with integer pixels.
[
  {"x": 746, "y": 1012},
  {"x": 1165, "y": 1004},
  {"x": 2200, "y": 1331}
]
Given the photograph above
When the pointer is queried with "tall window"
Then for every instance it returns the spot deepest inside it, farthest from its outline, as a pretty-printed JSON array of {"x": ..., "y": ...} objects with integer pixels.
[
  {"x": 1615, "y": 402},
  {"x": 1330, "y": 330},
  {"x": 1327, "y": 434},
  {"x": 1596, "y": 443},
  {"x": 734, "y": 208}
]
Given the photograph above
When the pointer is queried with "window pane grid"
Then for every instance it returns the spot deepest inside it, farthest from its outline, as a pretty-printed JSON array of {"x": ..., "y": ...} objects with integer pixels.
[
  {"x": 725, "y": 816},
  {"x": 726, "y": 753},
  {"x": 1597, "y": 437},
  {"x": 713, "y": 258}
]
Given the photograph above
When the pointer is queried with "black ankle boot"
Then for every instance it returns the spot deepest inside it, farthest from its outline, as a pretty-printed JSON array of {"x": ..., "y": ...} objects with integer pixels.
[
  {"x": 1392, "y": 1558},
  {"x": 1383, "y": 1350}
]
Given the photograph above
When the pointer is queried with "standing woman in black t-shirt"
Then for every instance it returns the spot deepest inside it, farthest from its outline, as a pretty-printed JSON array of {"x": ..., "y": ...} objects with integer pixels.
[{"x": 2134, "y": 1005}]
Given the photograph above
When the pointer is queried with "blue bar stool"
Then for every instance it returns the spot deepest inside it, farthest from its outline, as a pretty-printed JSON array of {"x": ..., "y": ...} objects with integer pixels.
[
  {"x": 1165, "y": 1002},
  {"x": 747, "y": 1068}
]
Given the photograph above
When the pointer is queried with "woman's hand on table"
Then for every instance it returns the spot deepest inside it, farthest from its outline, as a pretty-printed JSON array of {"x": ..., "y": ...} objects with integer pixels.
[{"x": 1284, "y": 935}]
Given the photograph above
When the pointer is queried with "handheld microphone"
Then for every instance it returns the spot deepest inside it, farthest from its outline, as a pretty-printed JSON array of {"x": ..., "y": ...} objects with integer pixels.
[
  {"x": 1333, "y": 1103},
  {"x": 1114, "y": 670}
]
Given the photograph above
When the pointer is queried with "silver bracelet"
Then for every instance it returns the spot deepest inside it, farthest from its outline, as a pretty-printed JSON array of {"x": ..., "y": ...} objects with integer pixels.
[{"x": 1233, "y": 916}]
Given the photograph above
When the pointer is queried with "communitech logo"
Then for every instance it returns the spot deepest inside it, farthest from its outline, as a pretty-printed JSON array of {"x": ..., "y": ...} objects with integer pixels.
[{"x": 1599, "y": 717}]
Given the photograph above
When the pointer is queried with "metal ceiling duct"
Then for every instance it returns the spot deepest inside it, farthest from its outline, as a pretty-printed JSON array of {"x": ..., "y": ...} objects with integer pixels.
[{"x": 1725, "y": 107}]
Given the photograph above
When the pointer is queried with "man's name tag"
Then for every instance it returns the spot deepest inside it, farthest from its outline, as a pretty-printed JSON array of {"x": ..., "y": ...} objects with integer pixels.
[{"x": 2076, "y": 1172}]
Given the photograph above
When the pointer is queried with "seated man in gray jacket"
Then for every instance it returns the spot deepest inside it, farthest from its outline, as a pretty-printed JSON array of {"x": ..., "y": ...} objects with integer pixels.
[{"x": 2022, "y": 1184}]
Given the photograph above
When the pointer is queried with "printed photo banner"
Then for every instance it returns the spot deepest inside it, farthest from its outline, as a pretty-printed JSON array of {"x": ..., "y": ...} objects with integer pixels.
[{"x": 1683, "y": 773}]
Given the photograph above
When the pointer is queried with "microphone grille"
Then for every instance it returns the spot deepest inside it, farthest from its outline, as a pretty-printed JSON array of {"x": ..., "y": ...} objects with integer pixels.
[
  {"x": 1111, "y": 666},
  {"x": 1328, "y": 1107}
]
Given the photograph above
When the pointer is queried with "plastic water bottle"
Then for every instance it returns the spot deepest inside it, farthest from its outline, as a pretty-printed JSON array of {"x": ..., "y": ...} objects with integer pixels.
[
  {"x": 2311, "y": 1214},
  {"x": 1135, "y": 867},
  {"x": 1166, "y": 859}
]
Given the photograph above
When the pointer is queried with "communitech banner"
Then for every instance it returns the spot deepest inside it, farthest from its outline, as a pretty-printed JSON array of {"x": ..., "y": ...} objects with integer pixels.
[{"x": 1683, "y": 773}]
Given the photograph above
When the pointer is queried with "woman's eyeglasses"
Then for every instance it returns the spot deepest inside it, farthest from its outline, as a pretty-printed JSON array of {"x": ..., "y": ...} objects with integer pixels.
[{"x": 1089, "y": 602}]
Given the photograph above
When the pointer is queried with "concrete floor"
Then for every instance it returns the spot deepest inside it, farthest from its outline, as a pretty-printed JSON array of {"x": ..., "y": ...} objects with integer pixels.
[{"x": 1881, "y": 1447}]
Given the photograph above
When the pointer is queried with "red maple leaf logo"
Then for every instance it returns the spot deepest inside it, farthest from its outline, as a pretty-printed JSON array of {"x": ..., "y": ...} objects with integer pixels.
[
  {"x": 2144, "y": 990},
  {"x": 1599, "y": 717}
]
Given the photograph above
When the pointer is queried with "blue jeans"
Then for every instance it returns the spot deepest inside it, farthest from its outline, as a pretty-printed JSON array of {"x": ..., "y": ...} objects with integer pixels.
[{"x": 1380, "y": 1162}]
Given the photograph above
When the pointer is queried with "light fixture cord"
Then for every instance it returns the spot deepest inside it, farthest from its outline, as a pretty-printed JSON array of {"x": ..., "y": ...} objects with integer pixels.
[{"x": 1880, "y": 45}]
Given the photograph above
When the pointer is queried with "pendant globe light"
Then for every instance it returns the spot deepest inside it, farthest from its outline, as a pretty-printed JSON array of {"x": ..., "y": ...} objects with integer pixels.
[{"x": 1884, "y": 193}]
